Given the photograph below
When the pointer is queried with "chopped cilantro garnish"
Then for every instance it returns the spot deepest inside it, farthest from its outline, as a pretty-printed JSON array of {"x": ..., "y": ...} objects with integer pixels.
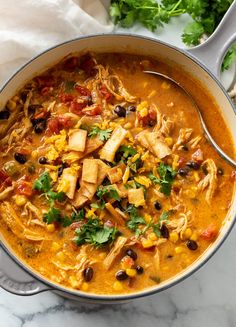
[
  {"x": 167, "y": 175},
  {"x": 103, "y": 134},
  {"x": 108, "y": 191},
  {"x": 96, "y": 233}
]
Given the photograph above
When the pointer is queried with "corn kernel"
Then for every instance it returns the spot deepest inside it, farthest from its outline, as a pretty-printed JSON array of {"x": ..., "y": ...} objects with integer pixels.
[
  {"x": 147, "y": 243},
  {"x": 187, "y": 233},
  {"x": 34, "y": 154},
  {"x": 90, "y": 213},
  {"x": 152, "y": 237},
  {"x": 175, "y": 163},
  {"x": 117, "y": 286},
  {"x": 131, "y": 272},
  {"x": 84, "y": 286},
  {"x": 147, "y": 217},
  {"x": 50, "y": 228},
  {"x": 179, "y": 249},
  {"x": 196, "y": 176},
  {"x": 11, "y": 105},
  {"x": 173, "y": 237},
  {"x": 60, "y": 255},
  {"x": 145, "y": 155},
  {"x": 20, "y": 200},
  {"x": 194, "y": 236},
  {"x": 73, "y": 282},
  {"x": 55, "y": 246},
  {"x": 128, "y": 125},
  {"x": 165, "y": 85},
  {"x": 142, "y": 105},
  {"x": 144, "y": 112},
  {"x": 169, "y": 141}
]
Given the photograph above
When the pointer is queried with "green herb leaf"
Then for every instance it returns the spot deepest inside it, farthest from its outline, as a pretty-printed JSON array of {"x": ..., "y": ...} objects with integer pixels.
[
  {"x": 44, "y": 183},
  {"x": 229, "y": 58},
  {"x": 126, "y": 151},
  {"x": 156, "y": 227},
  {"x": 103, "y": 134},
  {"x": 95, "y": 233},
  {"x": 108, "y": 191},
  {"x": 52, "y": 216},
  {"x": 135, "y": 218},
  {"x": 60, "y": 196},
  {"x": 69, "y": 86},
  {"x": 192, "y": 33},
  {"x": 167, "y": 175}
]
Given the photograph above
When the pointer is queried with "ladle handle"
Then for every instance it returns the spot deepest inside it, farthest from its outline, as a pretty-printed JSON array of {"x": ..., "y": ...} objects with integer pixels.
[{"x": 212, "y": 52}]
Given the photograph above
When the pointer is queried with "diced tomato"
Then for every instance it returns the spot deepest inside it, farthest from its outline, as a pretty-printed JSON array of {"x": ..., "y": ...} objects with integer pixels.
[
  {"x": 93, "y": 110},
  {"x": 152, "y": 114},
  {"x": 43, "y": 113},
  {"x": 87, "y": 64},
  {"x": 209, "y": 233},
  {"x": 150, "y": 119},
  {"x": 64, "y": 98},
  {"x": 82, "y": 90},
  {"x": 76, "y": 108},
  {"x": 127, "y": 262},
  {"x": 198, "y": 156},
  {"x": 70, "y": 64},
  {"x": 24, "y": 188},
  {"x": 233, "y": 174},
  {"x": 181, "y": 161},
  {"x": 105, "y": 94},
  {"x": 5, "y": 179},
  {"x": 45, "y": 81},
  {"x": 58, "y": 123}
]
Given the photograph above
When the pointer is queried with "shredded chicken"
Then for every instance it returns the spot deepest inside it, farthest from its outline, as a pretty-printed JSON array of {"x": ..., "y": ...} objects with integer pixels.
[
  {"x": 209, "y": 182},
  {"x": 115, "y": 251},
  {"x": 193, "y": 143},
  {"x": 5, "y": 193},
  {"x": 183, "y": 138},
  {"x": 180, "y": 224}
]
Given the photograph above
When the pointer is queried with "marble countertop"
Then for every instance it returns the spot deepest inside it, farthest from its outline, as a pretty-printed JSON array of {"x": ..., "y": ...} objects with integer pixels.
[{"x": 207, "y": 298}]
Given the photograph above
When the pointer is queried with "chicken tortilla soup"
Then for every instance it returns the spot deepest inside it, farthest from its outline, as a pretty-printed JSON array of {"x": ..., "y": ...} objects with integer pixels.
[{"x": 107, "y": 183}]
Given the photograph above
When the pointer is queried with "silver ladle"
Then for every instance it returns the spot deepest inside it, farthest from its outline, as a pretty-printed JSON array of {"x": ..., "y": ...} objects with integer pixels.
[{"x": 205, "y": 129}]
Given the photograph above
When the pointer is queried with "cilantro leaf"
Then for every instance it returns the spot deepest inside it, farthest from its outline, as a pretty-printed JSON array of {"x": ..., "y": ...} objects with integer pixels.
[
  {"x": 229, "y": 58},
  {"x": 60, "y": 196},
  {"x": 44, "y": 183},
  {"x": 157, "y": 227},
  {"x": 103, "y": 134},
  {"x": 135, "y": 219},
  {"x": 167, "y": 175},
  {"x": 52, "y": 216},
  {"x": 126, "y": 151},
  {"x": 109, "y": 191},
  {"x": 192, "y": 33},
  {"x": 96, "y": 233}
]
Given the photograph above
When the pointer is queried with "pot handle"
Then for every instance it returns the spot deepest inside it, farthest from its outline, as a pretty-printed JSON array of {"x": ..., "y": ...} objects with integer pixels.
[
  {"x": 15, "y": 280},
  {"x": 213, "y": 50}
]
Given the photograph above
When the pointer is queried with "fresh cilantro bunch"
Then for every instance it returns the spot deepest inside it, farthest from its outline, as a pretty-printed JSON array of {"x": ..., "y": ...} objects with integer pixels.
[
  {"x": 167, "y": 176},
  {"x": 206, "y": 17},
  {"x": 96, "y": 233}
]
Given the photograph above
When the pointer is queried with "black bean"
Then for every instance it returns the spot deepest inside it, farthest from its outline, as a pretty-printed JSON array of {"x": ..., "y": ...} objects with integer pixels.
[
  {"x": 131, "y": 108},
  {"x": 88, "y": 274},
  {"x": 169, "y": 256},
  {"x": 157, "y": 205},
  {"x": 183, "y": 171},
  {"x": 40, "y": 127},
  {"x": 193, "y": 164},
  {"x": 21, "y": 158},
  {"x": 118, "y": 205},
  {"x": 132, "y": 254},
  {"x": 139, "y": 270},
  {"x": 121, "y": 275},
  {"x": 43, "y": 160},
  {"x": 220, "y": 171},
  {"x": 184, "y": 147},
  {"x": 90, "y": 100},
  {"x": 164, "y": 231},
  {"x": 60, "y": 171},
  {"x": 192, "y": 245},
  {"x": 4, "y": 114},
  {"x": 120, "y": 111}
]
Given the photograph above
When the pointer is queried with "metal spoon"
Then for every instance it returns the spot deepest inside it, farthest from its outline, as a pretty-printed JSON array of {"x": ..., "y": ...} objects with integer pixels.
[{"x": 206, "y": 131}]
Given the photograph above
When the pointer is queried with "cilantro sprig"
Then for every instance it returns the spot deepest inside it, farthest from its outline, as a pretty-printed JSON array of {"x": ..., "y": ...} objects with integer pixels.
[
  {"x": 167, "y": 176},
  {"x": 103, "y": 134},
  {"x": 96, "y": 233},
  {"x": 206, "y": 16},
  {"x": 105, "y": 191}
]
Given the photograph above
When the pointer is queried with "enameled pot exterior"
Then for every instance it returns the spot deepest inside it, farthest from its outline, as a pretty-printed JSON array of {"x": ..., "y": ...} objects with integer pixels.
[{"x": 25, "y": 281}]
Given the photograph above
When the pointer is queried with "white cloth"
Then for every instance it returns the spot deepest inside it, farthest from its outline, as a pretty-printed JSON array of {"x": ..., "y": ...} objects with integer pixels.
[{"x": 28, "y": 27}]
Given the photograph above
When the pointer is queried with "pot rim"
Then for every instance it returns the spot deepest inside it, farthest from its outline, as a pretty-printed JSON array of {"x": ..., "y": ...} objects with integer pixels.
[{"x": 172, "y": 281}]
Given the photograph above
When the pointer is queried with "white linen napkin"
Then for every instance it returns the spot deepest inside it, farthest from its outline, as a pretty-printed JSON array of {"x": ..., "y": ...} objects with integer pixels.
[{"x": 28, "y": 27}]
